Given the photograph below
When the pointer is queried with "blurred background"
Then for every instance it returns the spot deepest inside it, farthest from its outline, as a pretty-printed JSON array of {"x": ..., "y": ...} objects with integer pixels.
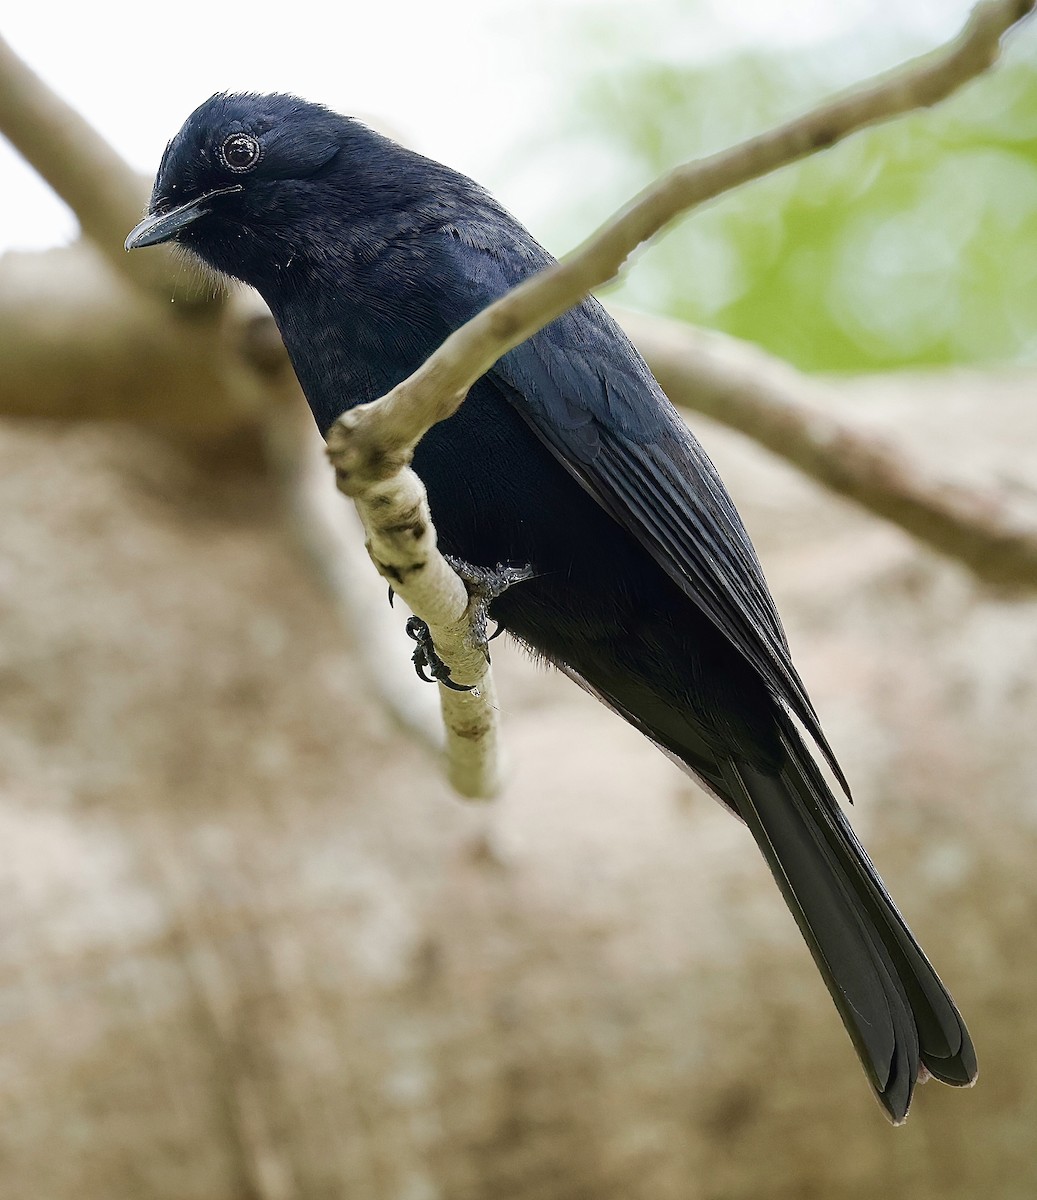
[{"x": 251, "y": 946}]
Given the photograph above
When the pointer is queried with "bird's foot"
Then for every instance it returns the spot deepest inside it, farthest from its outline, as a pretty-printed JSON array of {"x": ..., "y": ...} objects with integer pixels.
[
  {"x": 429, "y": 666},
  {"x": 484, "y": 585}
]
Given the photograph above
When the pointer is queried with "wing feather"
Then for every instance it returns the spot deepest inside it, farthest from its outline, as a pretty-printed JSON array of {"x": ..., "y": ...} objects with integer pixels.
[{"x": 590, "y": 397}]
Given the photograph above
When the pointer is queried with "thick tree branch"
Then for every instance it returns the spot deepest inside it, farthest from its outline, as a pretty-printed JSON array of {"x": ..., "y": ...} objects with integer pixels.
[
  {"x": 77, "y": 341},
  {"x": 371, "y": 445},
  {"x": 105, "y": 194},
  {"x": 748, "y": 390}
]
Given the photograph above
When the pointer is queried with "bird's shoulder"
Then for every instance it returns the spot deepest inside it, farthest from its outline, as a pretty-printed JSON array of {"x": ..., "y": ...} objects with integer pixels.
[{"x": 581, "y": 369}]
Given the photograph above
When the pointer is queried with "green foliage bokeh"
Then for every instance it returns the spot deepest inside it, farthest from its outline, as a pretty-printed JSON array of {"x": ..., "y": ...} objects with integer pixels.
[{"x": 911, "y": 244}]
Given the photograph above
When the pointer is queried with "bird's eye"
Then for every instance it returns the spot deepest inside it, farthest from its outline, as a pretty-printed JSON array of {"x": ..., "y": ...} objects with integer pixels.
[{"x": 241, "y": 152}]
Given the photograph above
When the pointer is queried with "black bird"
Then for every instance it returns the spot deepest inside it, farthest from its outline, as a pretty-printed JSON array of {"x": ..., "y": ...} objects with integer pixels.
[{"x": 565, "y": 457}]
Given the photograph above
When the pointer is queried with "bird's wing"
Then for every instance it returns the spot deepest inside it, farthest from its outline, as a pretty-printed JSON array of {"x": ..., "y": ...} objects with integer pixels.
[{"x": 592, "y": 400}]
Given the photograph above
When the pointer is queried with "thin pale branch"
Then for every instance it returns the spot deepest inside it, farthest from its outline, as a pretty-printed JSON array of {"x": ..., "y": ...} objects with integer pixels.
[
  {"x": 744, "y": 388},
  {"x": 105, "y": 193},
  {"x": 371, "y": 445},
  {"x": 372, "y": 441},
  {"x": 401, "y": 541}
]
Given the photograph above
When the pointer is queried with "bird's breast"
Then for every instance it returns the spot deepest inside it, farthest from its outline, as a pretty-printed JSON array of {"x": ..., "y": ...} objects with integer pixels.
[{"x": 497, "y": 494}]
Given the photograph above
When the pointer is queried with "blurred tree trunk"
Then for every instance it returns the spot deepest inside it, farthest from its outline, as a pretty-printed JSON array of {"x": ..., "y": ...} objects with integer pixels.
[{"x": 251, "y": 948}]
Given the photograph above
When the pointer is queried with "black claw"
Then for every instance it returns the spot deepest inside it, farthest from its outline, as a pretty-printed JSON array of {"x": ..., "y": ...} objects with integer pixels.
[
  {"x": 446, "y": 681},
  {"x": 484, "y": 585},
  {"x": 427, "y": 663},
  {"x": 392, "y": 596}
]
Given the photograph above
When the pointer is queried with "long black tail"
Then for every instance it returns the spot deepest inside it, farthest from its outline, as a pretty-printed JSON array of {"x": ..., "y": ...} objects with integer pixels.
[{"x": 895, "y": 1009}]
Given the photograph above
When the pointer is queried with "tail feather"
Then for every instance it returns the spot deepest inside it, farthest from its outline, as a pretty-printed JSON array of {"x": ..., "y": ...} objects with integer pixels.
[
  {"x": 946, "y": 1048},
  {"x": 895, "y": 1009},
  {"x": 903, "y": 1023}
]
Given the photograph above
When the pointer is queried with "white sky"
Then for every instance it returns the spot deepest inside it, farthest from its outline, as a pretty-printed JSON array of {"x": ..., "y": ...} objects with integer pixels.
[{"x": 466, "y": 81}]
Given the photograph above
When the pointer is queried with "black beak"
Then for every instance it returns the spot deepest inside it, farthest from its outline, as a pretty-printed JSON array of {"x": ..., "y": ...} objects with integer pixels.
[{"x": 163, "y": 227}]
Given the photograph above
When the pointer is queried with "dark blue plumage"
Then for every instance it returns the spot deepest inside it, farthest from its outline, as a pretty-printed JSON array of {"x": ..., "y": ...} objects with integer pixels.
[{"x": 566, "y": 457}]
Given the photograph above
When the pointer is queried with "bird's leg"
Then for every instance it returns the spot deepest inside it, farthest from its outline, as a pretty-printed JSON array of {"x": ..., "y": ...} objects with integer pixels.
[{"x": 484, "y": 585}]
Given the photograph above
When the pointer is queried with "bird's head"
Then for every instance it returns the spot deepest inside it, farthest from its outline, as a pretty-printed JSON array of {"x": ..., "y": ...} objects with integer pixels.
[{"x": 240, "y": 182}]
